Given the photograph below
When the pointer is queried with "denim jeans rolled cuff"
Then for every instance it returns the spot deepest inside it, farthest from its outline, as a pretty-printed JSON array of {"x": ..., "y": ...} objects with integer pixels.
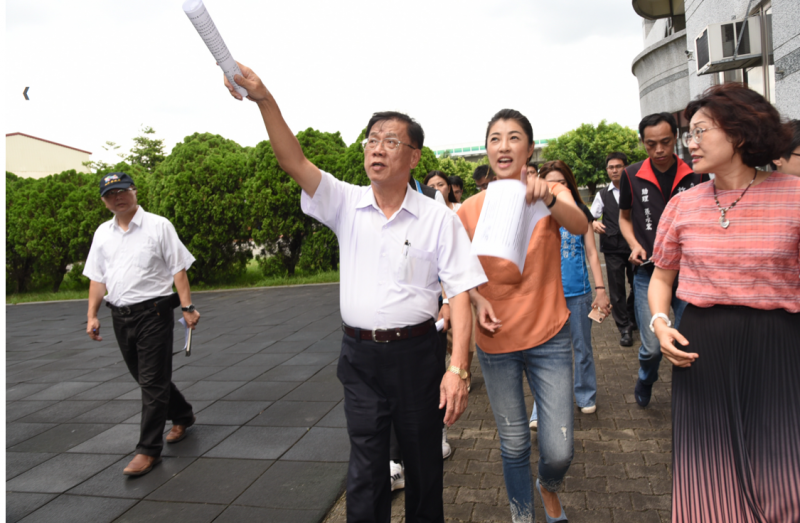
[
  {"x": 548, "y": 369},
  {"x": 650, "y": 350}
]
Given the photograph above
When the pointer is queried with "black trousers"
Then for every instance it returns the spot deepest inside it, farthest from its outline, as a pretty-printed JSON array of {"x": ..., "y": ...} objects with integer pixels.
[
  {"x": 384, "y": 384},
  {"x": 145, "y": 339},
  {"x": 618, "y": 269}
]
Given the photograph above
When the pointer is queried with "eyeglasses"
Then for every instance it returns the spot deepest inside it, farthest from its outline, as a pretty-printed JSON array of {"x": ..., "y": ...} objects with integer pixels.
[
  {"x": 114, "y": 192},
  {"x": 696, "y": 135},
  {"x": 390, "y": 143}
]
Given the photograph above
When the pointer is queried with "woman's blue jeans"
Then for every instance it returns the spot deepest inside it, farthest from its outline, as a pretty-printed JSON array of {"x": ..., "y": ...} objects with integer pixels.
[
  {"x": 548, "y": 368},
  {"x": 581, "y": 331}
]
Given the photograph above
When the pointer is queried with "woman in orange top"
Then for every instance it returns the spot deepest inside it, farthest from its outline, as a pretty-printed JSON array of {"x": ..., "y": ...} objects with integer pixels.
[{"x": 534, "y": 338}]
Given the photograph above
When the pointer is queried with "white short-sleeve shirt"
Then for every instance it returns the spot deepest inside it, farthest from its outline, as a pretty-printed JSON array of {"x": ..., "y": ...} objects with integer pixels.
[
  {"x": 138, "y": 264},
  {"x": 390, "y": 267},
  {"x": 598, "y": 206}
]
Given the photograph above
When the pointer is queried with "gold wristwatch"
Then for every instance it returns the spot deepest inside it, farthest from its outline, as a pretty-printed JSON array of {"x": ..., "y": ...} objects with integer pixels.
[{"x": 461, "y": 373}]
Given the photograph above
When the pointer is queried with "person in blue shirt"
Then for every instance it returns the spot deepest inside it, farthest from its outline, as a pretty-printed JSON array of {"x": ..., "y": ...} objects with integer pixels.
[{"x": 575, "y": 250}]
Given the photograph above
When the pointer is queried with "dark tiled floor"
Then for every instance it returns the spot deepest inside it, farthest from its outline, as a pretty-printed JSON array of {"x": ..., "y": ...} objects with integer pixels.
[{"x": 261, "y": 387}]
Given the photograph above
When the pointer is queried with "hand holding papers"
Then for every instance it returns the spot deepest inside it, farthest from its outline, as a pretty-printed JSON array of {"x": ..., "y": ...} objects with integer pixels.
[
  {"x": 187, "y": 336},
  {"x": 506, "y": 223},
  {"x": 198, "y": 14}
]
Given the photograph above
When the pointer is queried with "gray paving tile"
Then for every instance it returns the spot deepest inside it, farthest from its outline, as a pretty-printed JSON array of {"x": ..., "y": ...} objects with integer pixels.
[
  {"x": 195, "y": 373},
  {"x": 20, "y": 504},
  {"x": 210, "y": 390},
  {"x": 61, "y": 437},
  {"x": 293, "y": 414},
  {"x": 263, "y": 359},
  {"x": 317, "y": 390},
  {"x": 19, "y": 462},
  {"x": 257, "y": 443},
  {"x": 60, "y": 473},
  {"x": 62, "y": 412},
  {"x": 19, "y": 409},
  {"x": 297, "y": 485},
  {"x": 62, "y": 391},
  {"x": 233, "y": 412},
  {"x": 327, "y": 374},
  {"x": 289, "y": 373},
  {"x": 321, "y": 444},
  {"x": 237, "y": 514},
  {"x": 112, "y": 483},
  {"x": 23, "y": 391},
  {"x": 119, "y": 439},
  {"x": 105, "y": 374},
  {"x": 325, "y": 345},
  {"x": 18, "y": 432},
  {"x": 115, "y": 411},
  {"x": 211, "y": 481},
  {"x": 335, "y": 418},
  {"x": 59, "y": 377},
  {"x": 255, "y": 344},
  {"x": 262, "y": 391},
  {"x": 172, "y": 512},
  {"x": 218, "y": 360},
  {"x": 201, "y": 438},
  {"x": 107, "y": 391},
  {"x": 80, "y": 509},
  {"x": 239, "y": 373},
  {"x": 286, "y": 347}
]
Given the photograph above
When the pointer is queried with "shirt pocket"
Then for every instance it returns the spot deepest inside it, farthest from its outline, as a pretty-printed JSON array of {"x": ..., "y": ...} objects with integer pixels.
[
  {"x": 145, "y": 256},
  {"x": 416, "y": 268}
]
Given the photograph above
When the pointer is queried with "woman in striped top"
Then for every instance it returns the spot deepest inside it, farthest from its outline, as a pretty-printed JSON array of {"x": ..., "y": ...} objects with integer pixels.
[{"x": 736, "y": 242}]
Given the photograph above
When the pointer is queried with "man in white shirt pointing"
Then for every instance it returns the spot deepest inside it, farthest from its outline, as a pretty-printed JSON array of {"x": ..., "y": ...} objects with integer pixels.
[
  {"x": 394, "y": 244},
  {"x": 136, "y": 257}
]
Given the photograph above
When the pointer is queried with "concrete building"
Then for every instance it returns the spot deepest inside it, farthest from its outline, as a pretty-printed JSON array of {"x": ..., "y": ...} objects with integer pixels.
[
  {"x": 31, "y": 157},
  {"x": 767, "y": 59}
]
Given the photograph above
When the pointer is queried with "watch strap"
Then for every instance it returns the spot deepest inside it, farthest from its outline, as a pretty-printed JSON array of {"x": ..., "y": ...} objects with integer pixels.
[
  {"x": 461, "y": 373},
  {"x": 663, "y": 317}
]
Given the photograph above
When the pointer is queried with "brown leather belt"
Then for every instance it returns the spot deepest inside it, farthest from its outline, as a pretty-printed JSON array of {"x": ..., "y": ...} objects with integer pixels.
[{"x": 387, "y": 335}]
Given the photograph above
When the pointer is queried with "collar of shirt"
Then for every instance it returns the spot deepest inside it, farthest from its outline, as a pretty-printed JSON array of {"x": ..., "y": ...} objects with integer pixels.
[
  {"x": 409, "y": 204},
  {"x": 136, "y": 220}
]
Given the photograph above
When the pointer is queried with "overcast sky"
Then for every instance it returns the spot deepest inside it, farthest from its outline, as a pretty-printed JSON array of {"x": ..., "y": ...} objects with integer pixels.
[{"x": 98, "y": 70}]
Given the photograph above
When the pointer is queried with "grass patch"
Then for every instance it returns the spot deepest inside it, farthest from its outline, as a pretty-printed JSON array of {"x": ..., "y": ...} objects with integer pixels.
[{"x": 252, "y": 278}]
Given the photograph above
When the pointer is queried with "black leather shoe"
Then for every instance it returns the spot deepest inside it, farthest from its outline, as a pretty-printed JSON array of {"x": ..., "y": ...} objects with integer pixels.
[
  {"x": 642, "y": 393},
  {"x": 626, "y": 340}
]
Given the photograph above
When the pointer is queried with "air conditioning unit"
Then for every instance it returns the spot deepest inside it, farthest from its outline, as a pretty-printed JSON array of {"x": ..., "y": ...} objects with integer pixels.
[{"x": 715, "y": 47}]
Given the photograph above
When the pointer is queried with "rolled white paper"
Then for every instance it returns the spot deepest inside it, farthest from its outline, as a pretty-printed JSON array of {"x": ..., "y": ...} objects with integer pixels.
[{"x": 198, "y": 15}]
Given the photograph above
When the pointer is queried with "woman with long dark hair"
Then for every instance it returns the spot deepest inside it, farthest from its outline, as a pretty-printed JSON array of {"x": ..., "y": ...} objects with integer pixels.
[
  {"x": 576, "y": 250},
  {"x": 533, "y": 341},
  {"x": 736, "y": 242},
  {"x": 438, "y": 180}
]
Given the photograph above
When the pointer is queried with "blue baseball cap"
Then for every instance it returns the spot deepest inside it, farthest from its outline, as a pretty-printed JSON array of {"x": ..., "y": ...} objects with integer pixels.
[{"x": 115, "y": 181}]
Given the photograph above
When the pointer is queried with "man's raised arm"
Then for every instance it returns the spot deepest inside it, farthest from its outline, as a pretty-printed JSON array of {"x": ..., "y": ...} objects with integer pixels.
[{"x": 287, "y": 149}]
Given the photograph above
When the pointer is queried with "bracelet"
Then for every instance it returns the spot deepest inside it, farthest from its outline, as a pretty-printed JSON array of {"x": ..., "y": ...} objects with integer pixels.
[
  {"x": 600, "y": 287},
  {"x": 445, "y": 302},
  {"x": 553, "y": 202},
  {"x": 657, "y": 316}
]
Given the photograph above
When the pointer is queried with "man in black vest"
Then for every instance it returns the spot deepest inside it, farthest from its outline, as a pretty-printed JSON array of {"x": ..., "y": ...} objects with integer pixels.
[
  {"x": 645, "y": 190},
  {"x": 615, "y": 248}
]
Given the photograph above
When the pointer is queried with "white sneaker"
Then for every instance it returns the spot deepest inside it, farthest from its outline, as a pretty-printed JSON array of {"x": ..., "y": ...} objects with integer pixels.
[
  {"x": 589, "y": 410},
  {"x": 446, "y": 450},
  {"x": 534, "y": 425},
  {"x": 396, "y": 475}
]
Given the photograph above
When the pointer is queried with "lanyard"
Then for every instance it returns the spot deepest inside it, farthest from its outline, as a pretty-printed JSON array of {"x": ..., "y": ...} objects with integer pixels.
[{"x": 419, "y": 189}]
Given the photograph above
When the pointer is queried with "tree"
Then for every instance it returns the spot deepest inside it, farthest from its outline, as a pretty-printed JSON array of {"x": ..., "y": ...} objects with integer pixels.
[
  {"x": 585, "y": 149},
  {"x": 20, "y": 260},
  {"x": 200, "y": 189},
  {"x": 101, "y": 165},
  {"x": 464, "y": 169},
  {"x": 147, "y": 152},
  {"x": 273, "y": 200}
]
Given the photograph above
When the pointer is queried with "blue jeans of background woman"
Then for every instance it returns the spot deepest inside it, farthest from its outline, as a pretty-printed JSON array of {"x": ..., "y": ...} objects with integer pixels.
[
  {"x": 548, "y": 369},
  {"x": 581, "y": 332}
]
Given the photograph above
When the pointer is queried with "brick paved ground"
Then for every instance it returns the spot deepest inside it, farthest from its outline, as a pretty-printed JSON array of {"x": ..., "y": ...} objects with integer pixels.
[{"x": 621, "y": 470}]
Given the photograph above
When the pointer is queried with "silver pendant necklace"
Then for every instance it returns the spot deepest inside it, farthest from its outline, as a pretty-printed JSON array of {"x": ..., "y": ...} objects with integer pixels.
[{"x": 723, "y": 220}]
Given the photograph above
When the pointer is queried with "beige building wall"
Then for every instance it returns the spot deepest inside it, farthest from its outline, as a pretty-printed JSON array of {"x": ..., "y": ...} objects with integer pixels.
[{"x": 31, "y": 157}]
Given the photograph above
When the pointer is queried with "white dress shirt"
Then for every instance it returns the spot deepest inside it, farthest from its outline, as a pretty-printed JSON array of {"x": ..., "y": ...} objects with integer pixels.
[
  {"x": 138, "y": 264},
  {"x": 390, "y": 266},
  {"x": 597, "y": 205}
]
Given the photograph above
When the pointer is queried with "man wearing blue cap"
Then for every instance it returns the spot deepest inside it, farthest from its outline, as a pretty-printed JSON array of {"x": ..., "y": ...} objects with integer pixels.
[{"x": 136, "y": 257}]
